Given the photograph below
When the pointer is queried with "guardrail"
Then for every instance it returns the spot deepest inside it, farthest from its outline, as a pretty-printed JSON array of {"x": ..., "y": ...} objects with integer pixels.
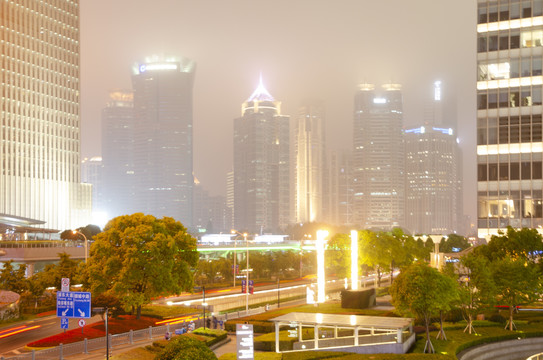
[
  {"x": 131, "y": 337},
  {"x": 40, "y": 244},
  {"x": 536, "y": 357}
]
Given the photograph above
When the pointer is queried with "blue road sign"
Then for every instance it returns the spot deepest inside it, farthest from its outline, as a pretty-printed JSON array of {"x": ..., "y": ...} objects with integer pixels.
[
  {"x": 73, "y": 304},
  {"x": 64, "y": 322}
]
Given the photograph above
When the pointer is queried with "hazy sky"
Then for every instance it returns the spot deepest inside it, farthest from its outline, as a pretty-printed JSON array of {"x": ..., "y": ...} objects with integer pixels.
[{"x": 303, "y": 48}]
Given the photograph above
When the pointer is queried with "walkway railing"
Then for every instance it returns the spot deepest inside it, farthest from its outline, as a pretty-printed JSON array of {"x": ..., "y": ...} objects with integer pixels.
[
  {"x": 40, "y": 244},
  {"x": 131, "y": 337},
  {"x": 536, "y": 357}
]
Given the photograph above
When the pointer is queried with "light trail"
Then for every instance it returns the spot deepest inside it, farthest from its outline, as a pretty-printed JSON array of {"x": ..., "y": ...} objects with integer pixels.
[{"x": 18, "y": 330}]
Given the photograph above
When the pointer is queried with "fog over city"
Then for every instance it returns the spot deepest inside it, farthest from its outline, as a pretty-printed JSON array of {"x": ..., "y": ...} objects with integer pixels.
[{"x": 303, "y": 49}]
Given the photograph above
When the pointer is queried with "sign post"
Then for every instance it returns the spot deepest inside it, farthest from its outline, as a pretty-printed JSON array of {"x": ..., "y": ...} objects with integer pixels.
[{"x": 245, "y": 345}]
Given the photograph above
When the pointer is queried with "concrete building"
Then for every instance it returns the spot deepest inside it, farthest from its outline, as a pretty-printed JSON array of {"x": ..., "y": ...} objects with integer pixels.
[
  {"x": 163, "y": 143},
  {"x": 92, "y": 172},
  {"x": 40, "y": 104},
  {"x": 378, "y": 157},
  {"x": 509, "y": 109},
  {"x": 309, "y": 162},
  {"x": 117, "y": 154},
  {"x": 339, "y": 192},
  {"x": 261, "y": 165}
]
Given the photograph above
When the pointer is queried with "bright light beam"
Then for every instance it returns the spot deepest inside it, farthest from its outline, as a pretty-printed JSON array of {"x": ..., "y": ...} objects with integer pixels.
[
  {"x": 354, "y": 260},
  {"x": 321, "y": 295}
]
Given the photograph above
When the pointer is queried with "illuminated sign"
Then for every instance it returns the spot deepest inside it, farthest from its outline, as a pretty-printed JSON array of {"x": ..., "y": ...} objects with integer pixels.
[
  {"x": 379, "y": 101},
  {"x": 158, "y": 66}
]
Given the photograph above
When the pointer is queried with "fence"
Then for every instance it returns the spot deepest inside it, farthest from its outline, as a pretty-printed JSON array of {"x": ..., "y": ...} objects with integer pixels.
[{"x": 131, "y": 337}]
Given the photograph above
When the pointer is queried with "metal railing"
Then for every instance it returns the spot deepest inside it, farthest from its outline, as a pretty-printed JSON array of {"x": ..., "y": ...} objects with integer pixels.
[
  {"x": 536, "y": 357},
  {"x": 40, "y": 244},
  {"x": 131, "y": 337}
]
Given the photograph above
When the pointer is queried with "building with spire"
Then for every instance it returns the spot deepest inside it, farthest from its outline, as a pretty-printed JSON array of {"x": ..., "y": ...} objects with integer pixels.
[
  {"x": 40, "y": 175},
  {"x": 261, "y": 164},
  {"x": 308, "y": 168},
  {"x": 163, "y": 144},
  {"x": 378, "y": 157}
]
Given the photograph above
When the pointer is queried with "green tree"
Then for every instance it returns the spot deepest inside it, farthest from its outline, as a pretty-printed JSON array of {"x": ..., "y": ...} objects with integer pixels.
[
  {"x": 36, "y": 287},
  {"x": 186, "y": 348},
  {"x": 13, "y": 279},
  {"x": 477, "y": 289},
  {"x": 517, "y": 282},
  {"x": 138, "y": 257},
  {"x": 423, "y": 292},
  {"x": 516, "y": 244},
  {"x": 453, "y": 241},
  {"x": 338, "y": 255}
]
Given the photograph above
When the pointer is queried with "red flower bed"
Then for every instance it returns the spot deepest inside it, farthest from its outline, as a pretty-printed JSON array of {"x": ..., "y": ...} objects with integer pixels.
[{"x": 122, "y": 324}]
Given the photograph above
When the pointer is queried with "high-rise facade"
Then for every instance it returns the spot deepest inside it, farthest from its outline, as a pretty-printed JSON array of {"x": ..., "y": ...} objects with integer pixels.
[
  {"x": 432, "y": 184},
  {"x": 117, "y": 154},
  {"x": 39, "y": 94},
  {"x": 378, "y": 157},
  {"x": 261, "y": 165},
  {"x": 509, "y": 109},
  {"x": 309, "y": 150},
  {"x": 163, "y": 144}
]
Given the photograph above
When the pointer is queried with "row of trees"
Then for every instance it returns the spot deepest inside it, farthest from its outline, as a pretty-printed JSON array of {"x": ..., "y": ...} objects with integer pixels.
[{"x": 504, "y": 272}]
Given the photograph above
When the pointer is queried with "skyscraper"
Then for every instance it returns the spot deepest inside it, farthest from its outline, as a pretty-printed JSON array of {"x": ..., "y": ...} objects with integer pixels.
[
  {"x": 261, "y": 165},
  {"x": 432, "y": 184},
  {"x": 40, "y": 133},
  {"x": 163, "y": 137},
  {"x": 309, "y": 164},
  {"x": 378, "y": 157},
  {"x": 117, "y": 154},
  {"x": 509, "y": 109}
]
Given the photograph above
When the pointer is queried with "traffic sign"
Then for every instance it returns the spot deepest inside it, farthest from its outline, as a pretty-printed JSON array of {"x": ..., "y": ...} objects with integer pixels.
[
  {"x": 65, "y": 284},
  {"x": 64, "y": 322},
  {"x": 81, "y": 322},
  {"x": 73, "y": 304}
]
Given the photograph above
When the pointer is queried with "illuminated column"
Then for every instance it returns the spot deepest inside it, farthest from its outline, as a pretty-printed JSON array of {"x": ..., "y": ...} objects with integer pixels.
[
  {"x": 436, "y": 239},
  {"x": 354, "y": 260},
  {"x": 321, "y": 235}
]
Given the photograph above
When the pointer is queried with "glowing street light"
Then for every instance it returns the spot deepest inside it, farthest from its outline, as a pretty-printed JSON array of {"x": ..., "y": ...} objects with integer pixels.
[
  {"x": 75, "y": 232},
  {"x": 354, "y": 260},
  {"x": 321, "y": 295}
]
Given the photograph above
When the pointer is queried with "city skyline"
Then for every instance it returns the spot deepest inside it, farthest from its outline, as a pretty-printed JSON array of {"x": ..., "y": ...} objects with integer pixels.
[{"x": 306, "y": 60}]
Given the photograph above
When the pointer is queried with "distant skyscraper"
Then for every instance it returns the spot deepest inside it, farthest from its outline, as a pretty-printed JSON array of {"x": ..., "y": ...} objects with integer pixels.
[
  {"x": 117, "y": 154},
  {"x": 40, "y": 133},
  {"x": 92, "y": 173},
  {"x": 339, "y": 191},
  {"x": 309, "y": 164},
  {"x": 432, "y": 193},
  {"x": 509, "y": 103},
  {"x": 261, "y": 165},
  {"x": 163, "y": 138},
  {"x": 378, "y": 157}
]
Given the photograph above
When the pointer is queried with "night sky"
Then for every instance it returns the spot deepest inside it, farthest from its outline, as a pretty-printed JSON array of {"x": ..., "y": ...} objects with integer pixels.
[{"x": 303, "y": 48}]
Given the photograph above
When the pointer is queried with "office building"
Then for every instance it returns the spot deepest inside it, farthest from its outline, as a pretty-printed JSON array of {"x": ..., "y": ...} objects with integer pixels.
[
  {"x": 338, "y": 189},
  {"x": 40, "y": 104},
  {"x": 118, "y": 191},
  {"x": 163, "y": 144},
  {"x": 261, "y": 165},
  {"x": 378, "y": 157},
  {"x": 509, "y": 109},
  {"x": 308, "y": 167}
]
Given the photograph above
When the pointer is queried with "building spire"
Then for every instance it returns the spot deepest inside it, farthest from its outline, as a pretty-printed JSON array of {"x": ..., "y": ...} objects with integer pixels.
[{"x": 260, "y": 94}]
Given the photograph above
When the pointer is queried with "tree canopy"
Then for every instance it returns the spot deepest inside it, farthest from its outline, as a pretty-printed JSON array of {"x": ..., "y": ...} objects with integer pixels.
[{"x": 138, "y": 257}]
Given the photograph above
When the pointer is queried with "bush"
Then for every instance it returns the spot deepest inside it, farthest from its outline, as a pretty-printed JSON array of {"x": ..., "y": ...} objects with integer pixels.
[
  {"x": 497, "y": 318},
  {"x": 259, "y": 327},
  {"x": 185, "y": 348}
]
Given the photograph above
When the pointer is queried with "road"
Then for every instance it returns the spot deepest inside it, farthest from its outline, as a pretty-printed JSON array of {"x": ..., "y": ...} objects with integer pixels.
[{"x": 46, "y": 326}]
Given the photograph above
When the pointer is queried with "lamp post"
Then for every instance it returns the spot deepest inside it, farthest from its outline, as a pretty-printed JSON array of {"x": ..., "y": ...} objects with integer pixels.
[
  {"x": 354, "y": 260},
  {"x": 86, "y": 242},
  {"x": 436, "y": 240}
]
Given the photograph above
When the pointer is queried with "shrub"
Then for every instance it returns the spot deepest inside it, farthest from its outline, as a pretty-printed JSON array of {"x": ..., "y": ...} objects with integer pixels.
[
  {"x": 259, "y": 327},
  {"x": 183, "y": 347},
  {"x": 497, "y": 318}
]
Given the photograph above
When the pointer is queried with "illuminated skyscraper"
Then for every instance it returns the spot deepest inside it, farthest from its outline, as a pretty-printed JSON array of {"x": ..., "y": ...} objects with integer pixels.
[
  {"x": 261, "y": 165},
  {"x": 509, "y": 109},
  {"x": 309, "y": 166},
  {"x": 40, "y": 133},
  {"x": 378, "y": 157},
  {"x": 117, "y": 154},
  {"x": 163, "y": 137}
]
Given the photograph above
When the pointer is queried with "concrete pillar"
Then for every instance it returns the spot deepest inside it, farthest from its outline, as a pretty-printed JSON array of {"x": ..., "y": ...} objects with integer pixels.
[
  {"x": 277, "y": 337},
  {"x": 356, "y": 336},
  {"x": 399, "y": 337},
  {"x": 29, "y": 269},
  {"x": 316, "y": 336}
]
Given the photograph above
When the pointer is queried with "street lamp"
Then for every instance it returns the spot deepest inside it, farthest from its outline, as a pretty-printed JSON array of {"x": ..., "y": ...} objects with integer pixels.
[
  {"x": 436, "y": 240},
  {"x": 75, "y": 232},
  {"x": 354, "y": 260}
]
